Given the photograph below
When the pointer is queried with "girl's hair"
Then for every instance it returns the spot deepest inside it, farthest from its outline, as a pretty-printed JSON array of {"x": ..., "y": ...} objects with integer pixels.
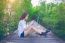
[{"x": 23, "y": 16}]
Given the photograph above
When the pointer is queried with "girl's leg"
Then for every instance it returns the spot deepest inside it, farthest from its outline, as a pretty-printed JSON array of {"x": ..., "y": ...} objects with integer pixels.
[
  {"x": 28, "y": 31},
  {"x": 38, "y": 30},
  {"x": 32, "y": 29}
]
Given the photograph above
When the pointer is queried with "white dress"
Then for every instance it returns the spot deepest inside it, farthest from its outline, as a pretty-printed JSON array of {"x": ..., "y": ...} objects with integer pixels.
[{"x": 21, "y": 27}]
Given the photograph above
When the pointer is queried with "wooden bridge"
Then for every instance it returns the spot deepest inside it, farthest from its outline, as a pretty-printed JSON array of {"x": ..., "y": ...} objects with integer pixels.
[{"x": 33, "y": 38}]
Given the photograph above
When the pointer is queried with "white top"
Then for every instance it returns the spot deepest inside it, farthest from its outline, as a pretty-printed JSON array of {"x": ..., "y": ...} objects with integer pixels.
[{"x": 21, "y": 27}]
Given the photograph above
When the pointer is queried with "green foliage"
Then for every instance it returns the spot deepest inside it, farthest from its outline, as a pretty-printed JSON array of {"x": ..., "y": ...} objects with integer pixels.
[
  {"x": 2, "y": 6},
  {"x": 60, "y": 26},
  {"x": 52, "y": 16},
  {"x": 1, "y": 31}
]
